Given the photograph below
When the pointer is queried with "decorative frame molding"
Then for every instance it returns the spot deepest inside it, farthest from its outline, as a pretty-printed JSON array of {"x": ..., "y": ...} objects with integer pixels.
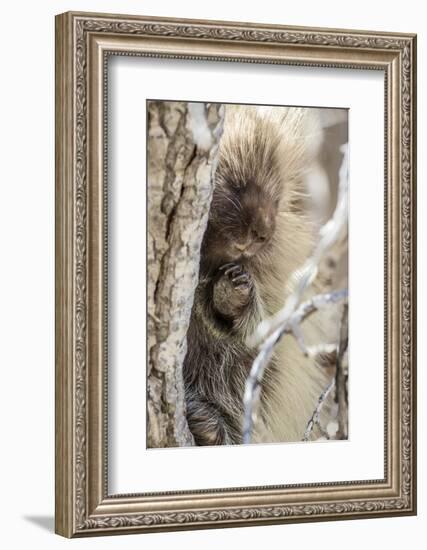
[{"x": 83, "y": 42}]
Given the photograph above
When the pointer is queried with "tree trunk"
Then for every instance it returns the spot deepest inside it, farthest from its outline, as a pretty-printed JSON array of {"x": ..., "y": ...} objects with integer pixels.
[{"x": 182, "y": 154}]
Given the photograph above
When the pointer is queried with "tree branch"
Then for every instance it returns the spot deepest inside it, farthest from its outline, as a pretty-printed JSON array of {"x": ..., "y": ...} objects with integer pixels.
[
  {"x": 183, "y": 143},
  {"x": 254, "y": 380},
  {"x": 288, "y": 319},
  {"x": 314, "y": 419},
  {"x": 341, "y": 378}
]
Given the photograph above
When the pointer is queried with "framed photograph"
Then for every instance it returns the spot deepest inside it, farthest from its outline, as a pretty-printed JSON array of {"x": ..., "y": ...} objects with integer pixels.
[{"x": 235, "y": 274}]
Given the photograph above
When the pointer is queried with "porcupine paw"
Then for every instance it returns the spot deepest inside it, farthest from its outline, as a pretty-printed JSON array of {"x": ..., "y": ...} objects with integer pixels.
[{"x": 232, "y": 290}]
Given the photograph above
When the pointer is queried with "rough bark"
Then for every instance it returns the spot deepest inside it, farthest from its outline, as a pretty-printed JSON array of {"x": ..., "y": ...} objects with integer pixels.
[
  {"x": 341, "y": 378},
  {"x": 182, "y": 153}
]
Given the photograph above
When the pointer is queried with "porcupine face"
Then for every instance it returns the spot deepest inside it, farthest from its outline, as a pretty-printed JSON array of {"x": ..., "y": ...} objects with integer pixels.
[
  {"x": 241, "y": 223},
  {"x": 248, "y": 189}
]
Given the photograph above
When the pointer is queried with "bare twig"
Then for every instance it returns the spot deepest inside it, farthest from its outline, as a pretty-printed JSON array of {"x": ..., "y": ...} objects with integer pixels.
[
  {"x": 321, "y": 352},
  {"x": 316, "y": 414},
  {"x": 305, "y": 310},
  {"x": 269, "y": 331},
  {"x": 253, "y": 383}
]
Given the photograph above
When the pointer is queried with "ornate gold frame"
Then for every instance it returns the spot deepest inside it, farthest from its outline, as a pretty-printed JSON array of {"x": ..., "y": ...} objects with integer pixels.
[{"x": 83, "y": 41}]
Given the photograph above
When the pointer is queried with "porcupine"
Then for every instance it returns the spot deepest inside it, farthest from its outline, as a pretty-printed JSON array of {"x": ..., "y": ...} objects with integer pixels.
[{"x": 255, "y": 239}]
